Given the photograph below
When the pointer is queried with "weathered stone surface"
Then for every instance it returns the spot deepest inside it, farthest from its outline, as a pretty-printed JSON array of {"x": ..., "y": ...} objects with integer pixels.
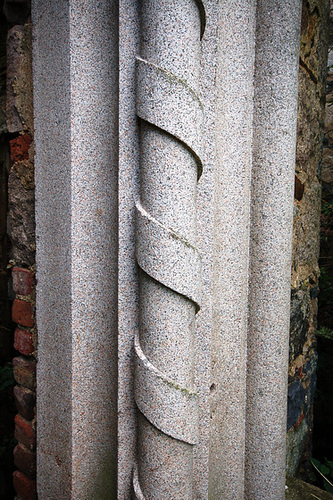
[
  {"x": 25, "y": 372},
  {"x": 25, "y": 432},
  {"x": 301, "y": 389},
  {"x": 23, "y": 280},
  {"x": 19, "y": 147},
  {"x": 299, "y": 321},
  {"x": 297, "y": 442},
  {"x": 19, "y": 79},
  {"x": 298, "y": 490},
  {"x": 23, "y": 341},
  {"x": 25, "y": 402},
  {"x": 327, "y": 171},
  {"x": 305, "y": 268},
  {"x": 25, "y": 487},
  {"x": 21, "y": 213},
  {"x": 25, "y": 460}
]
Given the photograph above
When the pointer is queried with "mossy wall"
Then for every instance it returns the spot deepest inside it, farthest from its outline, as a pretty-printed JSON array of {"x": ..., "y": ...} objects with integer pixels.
[{"x": 305, "y": 267}]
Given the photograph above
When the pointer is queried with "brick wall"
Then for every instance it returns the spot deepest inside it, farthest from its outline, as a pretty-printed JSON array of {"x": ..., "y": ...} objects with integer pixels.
[{"x": 21, "y": 198}]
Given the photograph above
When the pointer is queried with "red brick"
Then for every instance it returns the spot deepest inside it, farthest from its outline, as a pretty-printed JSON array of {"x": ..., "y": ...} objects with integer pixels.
[
  {"x": 23, "y": 341},
  {"x": 23, "y": 313},
  {"x": 24, "y": 433},
  {"x": 25, "y": 460},
  {"x": 24, "y": 487},
  {"x": 25, "y": 401},
  {"x": 19, "y": 148},
  {"x": 25, "y": 371},
  {"x": 23, "y": 280}
]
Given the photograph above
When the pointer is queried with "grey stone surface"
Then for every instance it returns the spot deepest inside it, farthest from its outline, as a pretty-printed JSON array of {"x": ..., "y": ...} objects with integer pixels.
[
  {"x": 234, "y": 118},
  {"x": 170, "y": 114},
  {"x": 143, "y": 222},
  {"x": 128, "y": 192},
  {"x": 274, "y": 140},
  {"x": 76, "y": 121},
  {"x": 205, "y": 232}
]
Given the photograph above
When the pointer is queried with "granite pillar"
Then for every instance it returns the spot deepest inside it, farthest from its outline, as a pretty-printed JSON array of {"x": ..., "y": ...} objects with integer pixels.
[
  {"x": 234, "y": 119},
  {"x": 170, "y": 114},
  {"x": 76, "y": 120},
  {"x": 274, "y": 144},
  {"x": 162, "y": 337}
]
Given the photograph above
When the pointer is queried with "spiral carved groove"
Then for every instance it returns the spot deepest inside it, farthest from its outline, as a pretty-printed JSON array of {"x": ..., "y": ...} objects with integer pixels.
[{"x": 171, "y": 116}]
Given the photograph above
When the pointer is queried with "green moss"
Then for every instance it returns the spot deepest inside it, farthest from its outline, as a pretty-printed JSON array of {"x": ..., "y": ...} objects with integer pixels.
[{"x": 325, "y": 333}]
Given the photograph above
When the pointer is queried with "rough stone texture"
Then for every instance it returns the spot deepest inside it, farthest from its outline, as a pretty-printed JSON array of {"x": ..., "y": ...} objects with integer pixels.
[
  {"x": 76, "y": 111},
  {"x": 25, "y": 372},
  {"x": 160, "y": 160},
  {"x": 19, "y": 79},
  {"x": 128, "y": 310},
  {"x": 25, "y": 402},
  {"x": 23, "y": 281},
  {"x": 25, "y": 433},
  {"x": 326, "y": 250},
  {"x": 25, "y": 460},
  {"x": 298, "y": 490},
  {"x": 25, "y": 487},
  {"x": 234, "y": 115},
  {"x": 23, "y": 313},
  {"x": 23, "y": 341},
  {"x": 305, "y": 268},
  {"x": 274, "y": 140},
  {"x": 171, "y": 116},
  {"x": 21, "y": 209}
]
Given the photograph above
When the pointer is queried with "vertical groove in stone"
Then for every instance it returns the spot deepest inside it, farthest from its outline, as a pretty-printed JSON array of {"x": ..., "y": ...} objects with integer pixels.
[
  {"x": 170, "y": 115},
  {"x": 274, "y": 140}
]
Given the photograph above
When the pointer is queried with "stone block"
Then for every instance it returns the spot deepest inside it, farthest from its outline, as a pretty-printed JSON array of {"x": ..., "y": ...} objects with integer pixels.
[
  {"x": 25, "y": 460},
  {"x": 24, "y": 486},
  {"x": 23, "y": 313},
  {"x": 25, "y": 372},
  {"x": 23, "y": 281},
  {"x": 25, "y": 433},
  {"x": 23, "y": 341},
  {"x": 25, "y": 401}
]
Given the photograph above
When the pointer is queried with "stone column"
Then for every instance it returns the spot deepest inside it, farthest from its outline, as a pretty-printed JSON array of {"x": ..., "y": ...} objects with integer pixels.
[
  {"x": 76, "y": 121},
  {"x": 274, "y": 141},
  {"x": 234, "y": 119},
  {"x": 170, "y": 114}
]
